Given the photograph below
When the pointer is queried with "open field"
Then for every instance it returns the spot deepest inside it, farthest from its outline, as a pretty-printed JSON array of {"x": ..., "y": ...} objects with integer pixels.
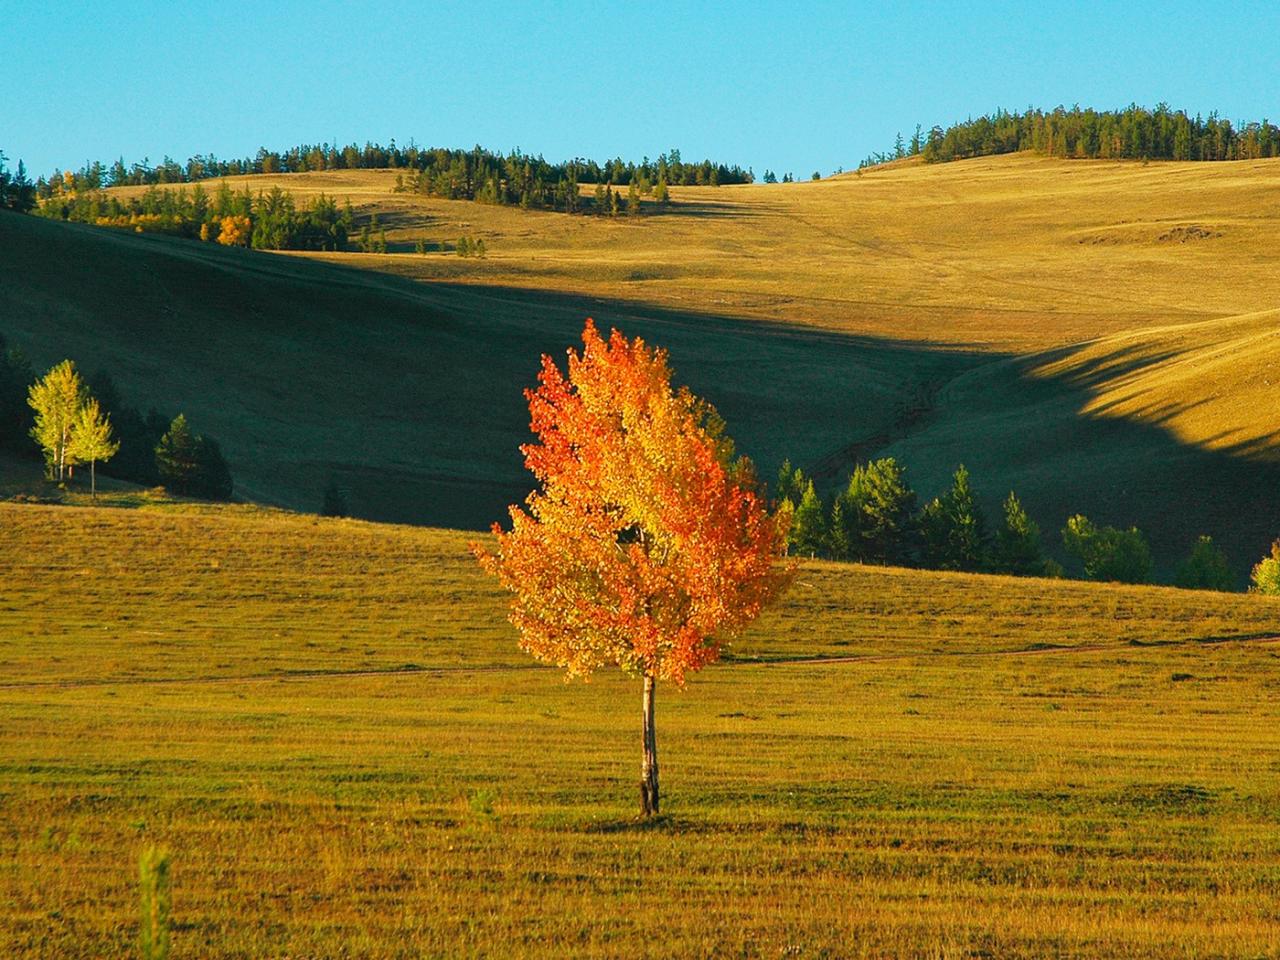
[
  {"x": 319, "y": 719},
  {"x": 1099, "y": 336}
]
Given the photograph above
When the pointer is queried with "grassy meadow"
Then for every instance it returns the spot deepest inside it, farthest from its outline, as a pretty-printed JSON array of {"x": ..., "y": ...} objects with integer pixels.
[
  {"x": 1087, "y": 333},
  {"x": 320, "y": 719}
]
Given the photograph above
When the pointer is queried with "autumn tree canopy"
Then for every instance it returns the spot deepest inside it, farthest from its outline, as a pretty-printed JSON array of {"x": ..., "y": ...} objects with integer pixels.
[{"x": 646, "y": 544}]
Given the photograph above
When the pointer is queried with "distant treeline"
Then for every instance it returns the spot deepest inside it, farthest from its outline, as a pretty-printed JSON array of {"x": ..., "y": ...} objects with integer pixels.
[
  {"x": 459, "y": 174},
  {"x": 1134, "y": 133},
  {"x": 272, "y": 220},
  {"x": 877, "y": 518},
  {"x": 528, "y": 186}
]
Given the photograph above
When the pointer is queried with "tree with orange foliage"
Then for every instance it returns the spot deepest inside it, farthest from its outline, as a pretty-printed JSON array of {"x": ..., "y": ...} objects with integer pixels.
[
  {"x": 235, "y": 232},
  {"x": 647, "y": 543}
]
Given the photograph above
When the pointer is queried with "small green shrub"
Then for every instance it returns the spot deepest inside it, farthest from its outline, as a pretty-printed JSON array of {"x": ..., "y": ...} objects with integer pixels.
[
  {"x": 1107, "y": 553},
  {"x": 153, "y": 886},
  {"x": 1266, "y": 573},
  {"x": 1206, "y": 568},
  {"x": 481, "y": 803}
]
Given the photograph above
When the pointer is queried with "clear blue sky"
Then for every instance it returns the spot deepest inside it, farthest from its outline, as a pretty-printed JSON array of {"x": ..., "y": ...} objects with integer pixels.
[{"x": 787, "y": 86}]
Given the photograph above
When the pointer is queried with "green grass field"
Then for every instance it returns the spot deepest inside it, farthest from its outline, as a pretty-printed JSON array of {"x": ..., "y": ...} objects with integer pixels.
[{"x": 329, "y": 725}]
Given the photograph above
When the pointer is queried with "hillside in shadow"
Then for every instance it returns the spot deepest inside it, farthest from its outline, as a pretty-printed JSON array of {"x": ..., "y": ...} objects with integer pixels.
[{"x": 409, "y": 393}]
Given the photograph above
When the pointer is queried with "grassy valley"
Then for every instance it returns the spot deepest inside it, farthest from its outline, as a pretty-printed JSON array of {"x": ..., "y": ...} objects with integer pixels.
[{"x": 1063, "y": 327}]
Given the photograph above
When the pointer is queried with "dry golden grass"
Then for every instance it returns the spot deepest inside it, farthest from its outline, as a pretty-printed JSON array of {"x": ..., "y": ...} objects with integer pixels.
[
  {"x": 1009, "y": 253},
  {"x": 329, "y": 725}
]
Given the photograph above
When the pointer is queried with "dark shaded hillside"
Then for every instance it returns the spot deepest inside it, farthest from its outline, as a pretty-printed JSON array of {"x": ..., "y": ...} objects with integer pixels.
[{"x": 409, "y": 394}]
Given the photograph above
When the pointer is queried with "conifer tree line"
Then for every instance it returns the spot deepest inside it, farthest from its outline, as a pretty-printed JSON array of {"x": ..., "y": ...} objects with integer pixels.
[
  {"x": 272, "y": 220},
  {"x": 1134, "y": 133},
  {"x": 877, "y": 518},
  {"x": 515, "y": 177},
  {"x": 73, "y": 422}
]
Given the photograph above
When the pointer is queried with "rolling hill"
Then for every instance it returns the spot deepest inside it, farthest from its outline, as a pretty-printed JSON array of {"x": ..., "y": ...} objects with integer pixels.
[{"x": 1095, "y": 335}]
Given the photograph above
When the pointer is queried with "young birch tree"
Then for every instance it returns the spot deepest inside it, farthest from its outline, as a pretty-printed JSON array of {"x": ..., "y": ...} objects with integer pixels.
[
  {"x": 56, "y": 399},
  {"x": 91, "y": 439},
  {"x": 646, "y": 544}
]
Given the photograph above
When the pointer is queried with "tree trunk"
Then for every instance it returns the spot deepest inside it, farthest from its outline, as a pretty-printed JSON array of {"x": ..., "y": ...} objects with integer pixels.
[
  {"x": 93, "y": 478},
  {"x": 649, "y": 766}
]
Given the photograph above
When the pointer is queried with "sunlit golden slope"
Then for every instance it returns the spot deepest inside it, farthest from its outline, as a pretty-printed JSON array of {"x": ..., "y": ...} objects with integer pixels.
[
  {"x": 1213, "y": 384},
  {"x": 1009, "y": 253}
]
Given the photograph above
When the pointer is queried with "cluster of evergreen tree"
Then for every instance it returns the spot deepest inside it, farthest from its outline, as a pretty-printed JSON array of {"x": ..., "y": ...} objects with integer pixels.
[
  {"x": 473, "y": 174},
  {"x": 75, "y": 421},
  {"x": 522, "y": 181},
  {"x": 877, "y": 518},
  {"x": 272, "y": 220},
  {"x": 156, "y": 449},
  {"x": 17, "y": 192},
  {"x": 1134, "y": 133}
]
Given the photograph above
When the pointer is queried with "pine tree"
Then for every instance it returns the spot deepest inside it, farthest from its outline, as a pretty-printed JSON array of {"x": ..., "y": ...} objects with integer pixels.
[
  {"x": 808, "y": 535},
  {"x": 1018, "y": 550},
  {"x": 601, "y": 202},
  {"x": 884, "y": 507},
  {"x": 790, "y": 484},
  {"x": 954, "y": 528},
  {"x": 176, "y": 456},
  {"x": 192, "y": 465},
  {"x": 633, "y": 199},
  {"x": 840, "y": 536},
  {"x": 92, "y": 440},
  {"x": 56, "y": 399},
  {"x": 660, "y": 194}
]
